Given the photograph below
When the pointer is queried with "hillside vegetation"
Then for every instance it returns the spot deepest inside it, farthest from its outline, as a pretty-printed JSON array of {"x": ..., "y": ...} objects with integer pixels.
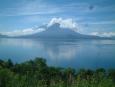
[{"x": 36, "y": 73}]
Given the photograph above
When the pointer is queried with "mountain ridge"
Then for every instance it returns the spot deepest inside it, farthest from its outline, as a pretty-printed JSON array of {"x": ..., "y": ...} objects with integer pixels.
[
  {"x": 3, "y": 36},
  {"x": 56, "y": 32}
]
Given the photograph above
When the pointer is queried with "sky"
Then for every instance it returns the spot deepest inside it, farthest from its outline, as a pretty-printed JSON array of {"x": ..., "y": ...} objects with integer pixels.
[{"x": 96, "y": 17}]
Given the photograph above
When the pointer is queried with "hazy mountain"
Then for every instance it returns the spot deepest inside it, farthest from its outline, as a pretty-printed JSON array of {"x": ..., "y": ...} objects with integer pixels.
[
  {"x": 113, "y": 37},
  {"x": 55, "y": 31},
  {"x": 3, "y": 36}
]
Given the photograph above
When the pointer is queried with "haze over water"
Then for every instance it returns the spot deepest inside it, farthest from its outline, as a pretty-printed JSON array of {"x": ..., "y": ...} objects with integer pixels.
[{"x": 63, "y": 53}]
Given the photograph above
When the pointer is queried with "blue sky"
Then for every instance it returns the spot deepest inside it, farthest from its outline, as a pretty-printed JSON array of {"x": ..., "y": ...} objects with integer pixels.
[{"x": 92, "y": 16}]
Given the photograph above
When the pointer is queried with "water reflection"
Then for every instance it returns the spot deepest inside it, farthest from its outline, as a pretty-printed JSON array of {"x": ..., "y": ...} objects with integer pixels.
[{"x": 73, "y": 53}]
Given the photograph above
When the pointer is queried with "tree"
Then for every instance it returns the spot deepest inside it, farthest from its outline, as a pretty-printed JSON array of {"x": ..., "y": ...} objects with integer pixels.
[
  {"x": 9, "y": 63},
  {"x": 111, "y": 74}
]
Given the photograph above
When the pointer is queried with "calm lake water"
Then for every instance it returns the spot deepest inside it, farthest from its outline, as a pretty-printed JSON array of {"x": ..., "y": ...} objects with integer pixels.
[{"x": 64, "y": 53}]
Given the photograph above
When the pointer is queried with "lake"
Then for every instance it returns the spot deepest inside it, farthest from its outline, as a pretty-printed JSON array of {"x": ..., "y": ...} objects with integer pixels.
[{"x": 77, "y": 54}]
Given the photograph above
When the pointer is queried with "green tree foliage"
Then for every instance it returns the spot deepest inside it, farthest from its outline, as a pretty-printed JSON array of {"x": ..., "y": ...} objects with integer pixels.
[{"x": 36, "y": 73}]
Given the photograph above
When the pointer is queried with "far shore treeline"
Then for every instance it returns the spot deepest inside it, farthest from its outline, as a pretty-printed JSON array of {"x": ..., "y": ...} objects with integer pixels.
[{"x": 36, "y": 73}]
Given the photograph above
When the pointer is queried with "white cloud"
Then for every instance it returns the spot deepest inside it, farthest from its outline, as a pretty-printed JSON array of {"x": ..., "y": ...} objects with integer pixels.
[
  {"x": 102, "y": 22},
  {"x": 27, "y": 8},
  {"x": 104, "y": 34},
  {"x": 64, "y": 23},
  {"x": 23, "y": 32},
  {"x": 62, "y": 52}
]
